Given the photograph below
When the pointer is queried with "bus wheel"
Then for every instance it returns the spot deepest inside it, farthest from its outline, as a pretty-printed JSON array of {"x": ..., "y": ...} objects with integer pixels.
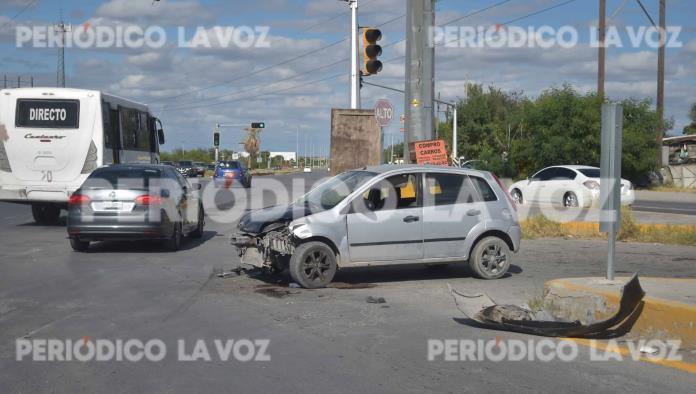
[{"x": 45, "y": 213}]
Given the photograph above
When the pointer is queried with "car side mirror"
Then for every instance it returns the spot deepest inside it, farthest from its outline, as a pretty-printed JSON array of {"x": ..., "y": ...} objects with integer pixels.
[
  {"x": 165, "y": 193},
  {"x": 160, "y": 136}
]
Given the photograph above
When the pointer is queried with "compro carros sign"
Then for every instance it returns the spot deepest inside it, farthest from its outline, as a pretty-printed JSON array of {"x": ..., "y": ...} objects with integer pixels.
[{"x": 431, "y": 152}]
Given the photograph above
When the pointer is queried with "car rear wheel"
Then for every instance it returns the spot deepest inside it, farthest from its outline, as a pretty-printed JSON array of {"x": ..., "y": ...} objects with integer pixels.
[
  {"x": 79, "y": 246},
  {"x": 198, "y": 232},
  {"x": 174, "y": 242},
  {"x": 490, "y": 258},
  {"x": 570, "y": 200},
  {"x": 517, "y": 197},
  {"x": 313, "y": 265}
]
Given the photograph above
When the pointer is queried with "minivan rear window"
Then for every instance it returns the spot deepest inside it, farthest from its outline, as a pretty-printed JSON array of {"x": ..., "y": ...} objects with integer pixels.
[{"x": 48, "y": 114}]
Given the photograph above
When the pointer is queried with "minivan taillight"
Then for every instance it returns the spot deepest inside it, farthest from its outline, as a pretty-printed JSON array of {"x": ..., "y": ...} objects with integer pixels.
[
  {"x": 507, "y": 194},
  {"x": 77, "y": 200},
  {"x": 148, "y": 200}
]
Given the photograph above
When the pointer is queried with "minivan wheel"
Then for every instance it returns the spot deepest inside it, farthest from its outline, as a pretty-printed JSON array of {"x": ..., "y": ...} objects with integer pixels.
[
  {"x": 517, "y": 197},
  {"x": 313, "y": 265},
  {"x": 490, "y": 258},
  {"x": 79, "y": 246},
  {"x": 570, "y": 200},
  {"x": 174, "y": 242}
]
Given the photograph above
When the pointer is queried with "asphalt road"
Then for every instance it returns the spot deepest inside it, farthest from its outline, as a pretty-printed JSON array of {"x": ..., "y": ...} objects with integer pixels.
[{"x": 327, "y": 340}]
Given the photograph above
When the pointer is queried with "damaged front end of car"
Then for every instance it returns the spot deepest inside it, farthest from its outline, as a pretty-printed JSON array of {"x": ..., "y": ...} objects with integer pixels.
[{"x": 264, "y": 238}]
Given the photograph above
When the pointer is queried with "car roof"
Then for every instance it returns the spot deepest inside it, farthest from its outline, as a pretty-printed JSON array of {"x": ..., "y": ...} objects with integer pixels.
[{"x": 385, "y": 168}]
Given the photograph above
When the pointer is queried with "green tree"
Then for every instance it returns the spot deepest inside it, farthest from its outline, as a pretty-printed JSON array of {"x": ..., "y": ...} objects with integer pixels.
[{"x": 691, "y": 128}]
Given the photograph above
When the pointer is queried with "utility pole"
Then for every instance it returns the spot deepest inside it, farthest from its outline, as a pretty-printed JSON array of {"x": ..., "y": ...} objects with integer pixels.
[
  {"x": 420, "y": 73},
  {"x": 354, "y": 57},
  {"x": 661, "y": 83},
  {"x": 61, "y": 28},
  {"x": 297, "y": 147},
  {"x": 601, "y": 58}
]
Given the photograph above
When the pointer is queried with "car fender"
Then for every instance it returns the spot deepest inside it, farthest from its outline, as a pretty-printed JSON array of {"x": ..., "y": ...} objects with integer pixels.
[
  {"x": 323, "y": 226},
  {"x": 473, "y": 235}
]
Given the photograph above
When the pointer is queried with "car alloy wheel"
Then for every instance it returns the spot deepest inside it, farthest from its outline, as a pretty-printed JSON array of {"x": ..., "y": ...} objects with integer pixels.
[
  {"x": 313, "y": 265},
  {"x": 570, "y": 200},
  {"x": 490, "y": 258}
]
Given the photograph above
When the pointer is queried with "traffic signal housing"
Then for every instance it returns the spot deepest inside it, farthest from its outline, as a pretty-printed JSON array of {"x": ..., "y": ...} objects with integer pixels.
[
  {"x": 216, "y": 139},
  {"x": 258, "y": 125},
  {"x": 371, "y": 51}
]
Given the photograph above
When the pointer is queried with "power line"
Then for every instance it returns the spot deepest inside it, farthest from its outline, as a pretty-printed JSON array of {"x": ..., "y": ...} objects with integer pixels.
[
  {"x": 263, "y": 94},
  {"x": 26, "y": 7},
  {"x": 645, "y": 11},
  {"x": 285, "y": 62}
]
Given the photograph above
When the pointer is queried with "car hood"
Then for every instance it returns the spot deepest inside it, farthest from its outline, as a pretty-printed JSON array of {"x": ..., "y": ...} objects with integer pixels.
[{"x": 254, "y": 221}]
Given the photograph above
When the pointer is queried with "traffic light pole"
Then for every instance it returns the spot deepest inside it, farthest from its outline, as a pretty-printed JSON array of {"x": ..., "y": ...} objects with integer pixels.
[{"x": 354, "y": 58}]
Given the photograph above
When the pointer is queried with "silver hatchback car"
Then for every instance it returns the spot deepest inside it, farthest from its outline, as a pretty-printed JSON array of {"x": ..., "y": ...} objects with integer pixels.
[{"x": 386, "y": 215}]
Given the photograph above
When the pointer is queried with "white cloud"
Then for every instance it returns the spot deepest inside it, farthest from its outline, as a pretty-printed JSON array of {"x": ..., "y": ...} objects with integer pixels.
[{"x": 181, "y": 12}]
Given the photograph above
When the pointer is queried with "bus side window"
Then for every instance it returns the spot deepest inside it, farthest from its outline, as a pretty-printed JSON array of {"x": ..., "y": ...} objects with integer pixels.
[
  {"x": 129, "y": 127},
  {"x": 143, "y": 133}
]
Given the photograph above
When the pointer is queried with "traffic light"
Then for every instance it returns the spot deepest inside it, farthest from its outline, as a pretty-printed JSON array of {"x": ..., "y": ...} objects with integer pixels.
[
  {"x": 371, "y": 51},
  {"x": 258, "y": 125},
  {"x": 216, "y": 139}
]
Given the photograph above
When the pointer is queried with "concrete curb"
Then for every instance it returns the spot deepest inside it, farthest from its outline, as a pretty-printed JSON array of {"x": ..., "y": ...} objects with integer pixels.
[{"x": 594, "y": 298}]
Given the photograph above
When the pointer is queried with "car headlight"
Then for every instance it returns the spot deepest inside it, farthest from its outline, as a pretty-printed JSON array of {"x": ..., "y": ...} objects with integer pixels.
[{"x": 301, "y": 231}]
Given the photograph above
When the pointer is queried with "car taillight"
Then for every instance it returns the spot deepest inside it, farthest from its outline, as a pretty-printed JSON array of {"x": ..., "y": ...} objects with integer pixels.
[
  {"x": 148, "y": 200},
  {"x": 592, "y": 185},
  {"x": 507, "y": 194},
  {"x": 77, "y": 200}
]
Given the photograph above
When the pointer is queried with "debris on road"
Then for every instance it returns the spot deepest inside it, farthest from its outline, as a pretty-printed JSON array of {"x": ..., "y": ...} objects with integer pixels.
[
  {"x": 482, "y": 311},
  {"x": 375, "y": 300},
  {"x": 294, "y": 285},
  {"x": 244, "y": 269}
]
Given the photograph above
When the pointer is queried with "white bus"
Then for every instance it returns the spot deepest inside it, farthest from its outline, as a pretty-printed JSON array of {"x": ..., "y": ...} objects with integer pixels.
[{"x": 51, "y": 139}]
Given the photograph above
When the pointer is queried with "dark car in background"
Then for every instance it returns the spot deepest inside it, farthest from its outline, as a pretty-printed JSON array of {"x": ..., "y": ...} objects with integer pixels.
[
  {"x": 133, "y": 202},
  {"x": 229, "y": 172},
  {"x": 185, "y": 168},
  {"x": 167, "y": 163},
  {"x": 200, "y": 168}
]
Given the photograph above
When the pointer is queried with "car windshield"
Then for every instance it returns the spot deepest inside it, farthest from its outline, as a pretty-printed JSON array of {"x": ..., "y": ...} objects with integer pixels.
[
  {"x": 185, "y": 163},
  {"x": 328, "y": 194},
  {"x": 229, "y": 164},
  {"x": 590, "y": 172},
  {"x": 123, "y": 179}
]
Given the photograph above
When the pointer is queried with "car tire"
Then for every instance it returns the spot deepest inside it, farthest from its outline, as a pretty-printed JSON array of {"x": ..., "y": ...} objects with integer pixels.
[
  {"x": 313, "y": 265},
  {"x": 79, "y": 246},
  {"x": 174, "y": 242},
  {"x": 517, "y": 196},
  {"x": 198, "y": 232},
  {"x": 570, "y": 200},
  {"x": 490, "y": 258},
  {"x": 45, "y": 213}
]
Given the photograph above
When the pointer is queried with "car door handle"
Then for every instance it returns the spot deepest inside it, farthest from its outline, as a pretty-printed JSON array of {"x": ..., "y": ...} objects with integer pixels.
[
  {"x": 409, "y": 219},
  {"x": 473, "y": 212}
]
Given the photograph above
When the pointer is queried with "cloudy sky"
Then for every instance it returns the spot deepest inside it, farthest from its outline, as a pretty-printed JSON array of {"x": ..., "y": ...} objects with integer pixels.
[{"x": 294, "y": 67}]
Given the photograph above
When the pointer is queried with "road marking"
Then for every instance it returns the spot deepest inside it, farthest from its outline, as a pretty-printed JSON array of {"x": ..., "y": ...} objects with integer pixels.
[
  {"x": 680, "y": 365},
  {"x": 663, "y": 208}
]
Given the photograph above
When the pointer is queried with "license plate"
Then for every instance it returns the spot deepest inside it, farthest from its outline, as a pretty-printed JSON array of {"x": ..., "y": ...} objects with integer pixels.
[{"x": 113, "y": 205}]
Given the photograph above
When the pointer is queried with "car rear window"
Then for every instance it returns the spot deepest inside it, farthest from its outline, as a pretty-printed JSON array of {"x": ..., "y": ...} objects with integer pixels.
[
  {"x": 590, "y": 172},
  {"x": 484, "y": 189},
  {"x": 229, "y": 164},
  {"x": 185, "y": 163},
  {"x": 123, "y": 178}
]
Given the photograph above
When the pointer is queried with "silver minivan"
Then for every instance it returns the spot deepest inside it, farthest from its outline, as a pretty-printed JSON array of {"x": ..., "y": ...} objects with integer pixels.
[{"x": 391, "y": 214}]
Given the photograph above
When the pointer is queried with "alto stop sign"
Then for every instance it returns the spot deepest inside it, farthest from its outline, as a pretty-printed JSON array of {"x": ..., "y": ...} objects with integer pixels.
[{"x": 384, "y": 112}]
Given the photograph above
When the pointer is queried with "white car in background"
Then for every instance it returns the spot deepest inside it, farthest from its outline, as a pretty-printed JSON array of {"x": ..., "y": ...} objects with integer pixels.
[{"x": 571, "y": 186}]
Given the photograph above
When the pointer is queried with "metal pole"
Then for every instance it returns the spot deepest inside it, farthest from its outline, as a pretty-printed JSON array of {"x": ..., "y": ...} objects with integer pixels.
[
  {"x": 602, "y": 50},
  {"x": 297, "y": 147},
  {"x": 661, "y": 83},
  {"x": 354, "y": 58},
  {"x": 32, "y": 81},
  {"x": 5, "y": 81},
  {"x": 455, "y": 158},
  {"x": 19, "y": 82}
]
